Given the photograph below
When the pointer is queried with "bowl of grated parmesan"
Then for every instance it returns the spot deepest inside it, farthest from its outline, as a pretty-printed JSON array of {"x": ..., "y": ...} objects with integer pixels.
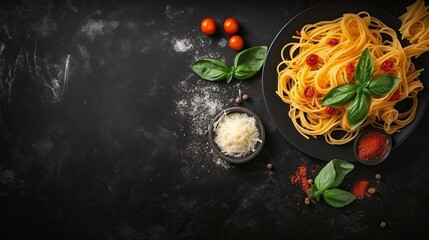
[{"x": 236, "y": 135}]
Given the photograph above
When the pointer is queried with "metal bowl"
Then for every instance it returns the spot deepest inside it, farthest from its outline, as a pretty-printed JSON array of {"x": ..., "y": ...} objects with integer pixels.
[{"x": 248, "y": 156}]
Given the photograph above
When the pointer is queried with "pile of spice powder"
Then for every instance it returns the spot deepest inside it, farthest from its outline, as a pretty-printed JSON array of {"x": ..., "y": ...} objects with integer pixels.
[
  {"x": 300, "y": 177},
  {"x": 360, "y": 189},
  {"x": 373, "y": 145}
]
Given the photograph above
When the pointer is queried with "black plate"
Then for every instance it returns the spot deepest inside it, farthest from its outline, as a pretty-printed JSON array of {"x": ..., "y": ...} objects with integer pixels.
[{"x": 278, "y": 110}]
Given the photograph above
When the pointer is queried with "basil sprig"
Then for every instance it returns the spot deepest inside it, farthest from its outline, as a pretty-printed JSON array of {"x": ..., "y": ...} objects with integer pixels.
[
  {"x": 211, "y": 69},
  {"x": 360, "y": 93},
  {"x": 246, "y": 64},
  {"x": 327, "y": 181}
]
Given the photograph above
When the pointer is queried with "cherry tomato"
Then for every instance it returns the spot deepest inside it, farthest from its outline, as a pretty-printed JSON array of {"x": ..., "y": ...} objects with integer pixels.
[
  {"x": 333, "y": 41},
  {"x": 350, "y": 68},
  {"x": 330, "y": 110},
  {"x": 387, "y": 65},
  {"x": 298, "y": 33},
  {"x": 312, "y": 59},
  {"x": 236, "y": 43},
  {"x": 396, "y": 96},
  {"x": 309, "y": 91},
  {"x": 208, "y": 26},
  {"x": 231, "y": 26}
]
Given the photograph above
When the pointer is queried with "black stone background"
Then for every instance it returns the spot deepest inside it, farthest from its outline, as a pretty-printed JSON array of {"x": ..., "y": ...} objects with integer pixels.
[{"x": 113, "y": 151}]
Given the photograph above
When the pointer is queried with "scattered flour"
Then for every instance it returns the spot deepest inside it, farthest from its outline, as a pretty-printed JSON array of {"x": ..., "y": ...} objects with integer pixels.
[
  {"x": 182, "y": 45},
  {"x": 222, "y": 42},
  {"x": 94, "y": 28},
  {"x": 203, "y": 52},
  {"x": 198, "y": 46},
  {"x": 171, "y": 13},
  {"x": 200, "y": 102},
  {"x": 222, "y": 163}
]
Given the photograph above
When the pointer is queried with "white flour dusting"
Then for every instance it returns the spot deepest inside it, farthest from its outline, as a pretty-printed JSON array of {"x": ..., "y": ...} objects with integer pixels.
[
  {"x": 182, "y": 45},
  {"x": 171, "y": 13},
  {"x": 203, "y": 52},
  {"x": 199, "y": 102},
  {"x": 201, "y": 106},
  {"x": 222, "y": 42},
  {"x": 221, "y": 162},
  {"x": 196, "y": 47},
  {"x": 94, "y": 28}
]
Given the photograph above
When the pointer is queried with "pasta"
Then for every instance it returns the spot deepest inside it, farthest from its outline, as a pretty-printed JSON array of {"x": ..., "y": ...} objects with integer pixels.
[
  {"x": 338, "y": 45},
  {"x": 415, "y": 27}
]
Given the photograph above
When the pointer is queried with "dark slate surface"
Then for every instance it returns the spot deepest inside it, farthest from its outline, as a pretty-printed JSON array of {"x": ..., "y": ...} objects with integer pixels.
[{"x": 103, "y": 132}]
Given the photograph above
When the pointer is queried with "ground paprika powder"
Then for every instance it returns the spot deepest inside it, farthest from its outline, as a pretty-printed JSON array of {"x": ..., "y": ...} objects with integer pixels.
[
  {"x": 300, "y": 177},
  {"x": 359, "y": 189},
  {"x": 372, "y": 145}
]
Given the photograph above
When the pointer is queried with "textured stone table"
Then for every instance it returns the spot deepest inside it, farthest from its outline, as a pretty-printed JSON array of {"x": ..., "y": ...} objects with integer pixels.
[{"x": 103, "y": 132}]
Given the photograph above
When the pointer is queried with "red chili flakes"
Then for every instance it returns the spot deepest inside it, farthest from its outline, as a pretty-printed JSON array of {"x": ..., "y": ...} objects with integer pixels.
[
  {"x": 387, "y": 65},
  {"x": 330, "y": 110},
  {"x": 309, "y": 91},
  {"x": 396, "y": 96},
  {"x": 298, "y": 33},
  {"x": 333, "y": 41},
  {"x": 312, "y": 59},
  {"x": 350, "y": 68}
]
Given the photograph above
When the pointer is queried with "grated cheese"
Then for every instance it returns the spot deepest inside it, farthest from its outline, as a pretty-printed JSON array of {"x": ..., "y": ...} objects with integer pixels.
[{"x": 236, "y": 134}]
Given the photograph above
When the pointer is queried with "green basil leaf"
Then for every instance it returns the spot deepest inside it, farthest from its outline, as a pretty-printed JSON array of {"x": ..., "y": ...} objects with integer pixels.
[
  {"x": 383, "y": 85},
  {"x": 245, "y": 71},
  {"x": 248, "y": 62},
  {"x": 359, "y": 89},
  {"x": 337, "y": 197},
  {"x": 366, "y": 90},
  {"x": 315, "y": 193},
  {"x": 326, "y": 177},
  {"x": 339, "y": 95},
  {"x": 230, "y": 74},
  {"x": 358, "y": 109},
  {"x": 210, "y": 69},
  {"x": 313, "y": 190},
  {"x": 364, "y": 68},
  {"x": 341, "y": 169}
]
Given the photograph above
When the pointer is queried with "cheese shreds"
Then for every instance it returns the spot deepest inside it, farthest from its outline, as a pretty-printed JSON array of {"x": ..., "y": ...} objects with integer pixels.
[{"x": 236, "y": 134}]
